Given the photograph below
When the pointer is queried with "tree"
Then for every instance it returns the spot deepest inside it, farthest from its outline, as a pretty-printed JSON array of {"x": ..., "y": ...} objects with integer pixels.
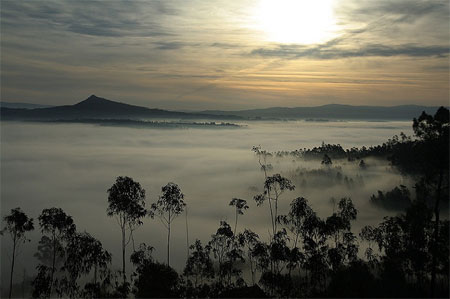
[
  {"x": 326, "y": 160},
  {"x": 227, "y": 250},
  {"x": 126, "y": 202},
  {"x": 338, "y": 226},
  {"x": 295, "y": 219},
  {"x": 240, "y": 205},
  {"x": 17, "y": 224},
  {"x": 428, "y": 159},
  {"x": 433, "y": 131},
  {"x": 83, "y": 253},
  {"x": 274, "y": 186},
  {"x": 251, "y": 240},
  {"x": 59, "y": 226},
  {"x": 199, "y": 266},
  {"x": 169, "y": 205},
  {"x": 362, "y": 164},
  {"x": 154, "y": 280}
]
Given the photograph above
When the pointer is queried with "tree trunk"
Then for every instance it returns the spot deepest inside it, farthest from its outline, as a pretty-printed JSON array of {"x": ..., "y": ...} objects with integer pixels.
[
  {"x": 95, "y": 274},
  {"x": 187, "y": 235},
  {"x": 123, "y": 255},
  {"x": 235, "y": 223},
  {"x": 53, "y": 265},
  {"x": 12, "y": 265},
  {"x": 168, "y": 245},
  {"x": 436, "y": 236}
]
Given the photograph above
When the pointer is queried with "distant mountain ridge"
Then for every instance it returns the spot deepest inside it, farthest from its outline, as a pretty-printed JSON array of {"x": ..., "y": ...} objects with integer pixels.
[
  {"x": 332, "y": 111},
  {"x": 22, "y": 105},
  {"x": 99, "y": 108}
]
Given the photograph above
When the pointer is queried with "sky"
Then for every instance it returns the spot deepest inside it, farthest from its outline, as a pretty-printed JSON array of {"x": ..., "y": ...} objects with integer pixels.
[{"x": 195, "y": 55}]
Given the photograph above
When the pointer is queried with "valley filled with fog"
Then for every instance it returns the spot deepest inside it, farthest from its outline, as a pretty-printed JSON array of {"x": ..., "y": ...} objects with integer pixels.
[{"x": 72, "y": 165}]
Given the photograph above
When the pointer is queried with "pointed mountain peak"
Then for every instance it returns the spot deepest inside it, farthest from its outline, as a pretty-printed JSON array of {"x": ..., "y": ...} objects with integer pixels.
[
  {"x": 93, "y": 100},
  {"x": 93, "y": 97}
]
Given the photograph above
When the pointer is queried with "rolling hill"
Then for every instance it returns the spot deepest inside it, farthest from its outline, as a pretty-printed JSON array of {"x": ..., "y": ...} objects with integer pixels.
[{"x": 332, "y": 111}]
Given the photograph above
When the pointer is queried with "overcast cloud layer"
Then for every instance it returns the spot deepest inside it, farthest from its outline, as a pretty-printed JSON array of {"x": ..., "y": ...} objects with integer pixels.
[{"x": 211, "y": 55}]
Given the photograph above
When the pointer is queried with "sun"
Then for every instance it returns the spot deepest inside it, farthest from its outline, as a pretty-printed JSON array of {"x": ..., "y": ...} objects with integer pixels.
[{"x": 295, "y": 21}]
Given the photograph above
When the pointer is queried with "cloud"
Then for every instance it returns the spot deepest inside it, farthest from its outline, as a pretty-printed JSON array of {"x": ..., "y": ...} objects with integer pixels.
[
  {"x": 333, "y": 51},
  {"x": 406, "y": 11},
  {"x": 91, "y": 18},
  {"x": 169, "y": 45}
]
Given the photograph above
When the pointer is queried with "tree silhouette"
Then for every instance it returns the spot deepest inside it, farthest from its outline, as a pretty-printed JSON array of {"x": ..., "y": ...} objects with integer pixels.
[
  {"x": 83, "y": 253},
  {"x": 434, "y": 134},
  {"x": 227, "y": 249},
  {"x": 154, "y": 280},
  {"x": 251, "y": 240},
  {"x": 338, "y": 226},
  {"x": 59, "y": 226},
  {"x": 274, "y": 187},
  {"x": 169, "y": 205},
  {"x": 16, "y": 224},
  {"x": 240, "y": 205},
  {"x": 126, "y": 201},
  {"x": 199, "y": 267},
  {"x": 326, "y": 160}
]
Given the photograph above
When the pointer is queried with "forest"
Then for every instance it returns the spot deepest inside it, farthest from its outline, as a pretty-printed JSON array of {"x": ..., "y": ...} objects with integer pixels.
[{"x": 406, "y": 255}]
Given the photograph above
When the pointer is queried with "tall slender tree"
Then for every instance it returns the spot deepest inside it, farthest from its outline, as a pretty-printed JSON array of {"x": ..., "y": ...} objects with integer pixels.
[
  {"x": 169, "y": 205},
  {"x": 240, "y": 205},
  {"x": 274, "y": 187},
  {"x": 59, "y": 226},
  {"x": 126, "y": 202},
  {"x": 16, "y": 224}
]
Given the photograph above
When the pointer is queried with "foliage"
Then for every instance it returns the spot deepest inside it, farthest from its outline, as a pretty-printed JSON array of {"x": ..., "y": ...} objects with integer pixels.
[
  {"x": 199, "y": 267},
  {"x": 169, "y": 205},
  {"x": 17, "y": 224},
  {"x": 126, "y": 201},
  {"x": 154, "y": 280},
  {"x": 59, "y": 228},
  {"x": 396, "y": 199}
]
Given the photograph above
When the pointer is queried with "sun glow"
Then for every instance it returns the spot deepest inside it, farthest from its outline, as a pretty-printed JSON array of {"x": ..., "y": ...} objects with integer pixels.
[{"x": 296, "y": 21}]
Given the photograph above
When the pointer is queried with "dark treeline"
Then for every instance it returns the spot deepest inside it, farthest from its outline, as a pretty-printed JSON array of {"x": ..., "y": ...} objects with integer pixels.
[{"x": 305, "y": 256}]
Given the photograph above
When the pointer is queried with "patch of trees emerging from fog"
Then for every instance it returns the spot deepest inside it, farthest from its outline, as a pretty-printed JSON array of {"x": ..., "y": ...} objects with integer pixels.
[
  {"x": 146, "y": 123},
  {"x": 306, "y": 256}
]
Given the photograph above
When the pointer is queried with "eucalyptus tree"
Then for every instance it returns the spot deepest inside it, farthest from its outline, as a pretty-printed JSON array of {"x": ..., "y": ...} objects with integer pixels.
[
  {"x": 227, "y": 250},
  {"x": 294, "y": 220},
  {"x": 251, "y": 241},
  {"x": 274, "y": 187},
  {"x": 16, "y": 224},
  {"x": 240, "y": 205},
  {"x": 59, "y": 226},
  {"x": 433, "y": 132},
  {"x": 262, "y": 159},
  {"x": 83, "y": 253},
  {"x": 126, "y": 202},
  {"x": 169, "y": 205},
  {"x": 153, "y": 280},
  {"x": 199, "y": 265},
  {"x": 338, "y": 226},
  {"x": 326, "y": 160}
]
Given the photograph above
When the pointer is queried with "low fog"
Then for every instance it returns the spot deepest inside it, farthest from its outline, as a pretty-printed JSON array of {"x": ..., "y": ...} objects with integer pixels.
[{"x": 72, "y": 165}]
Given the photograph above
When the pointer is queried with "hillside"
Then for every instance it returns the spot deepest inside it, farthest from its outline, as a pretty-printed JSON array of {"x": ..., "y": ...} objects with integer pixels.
[
  {"x": 99, "y": 108},
  {"x": 332, "y": 111}
]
